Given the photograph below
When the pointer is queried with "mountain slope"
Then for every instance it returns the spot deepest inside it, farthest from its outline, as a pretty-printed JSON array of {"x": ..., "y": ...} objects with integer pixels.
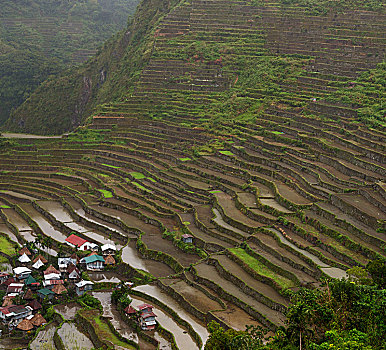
[
  {"x": 231, "y": 59},
  {"x": 39, "y": 38}
]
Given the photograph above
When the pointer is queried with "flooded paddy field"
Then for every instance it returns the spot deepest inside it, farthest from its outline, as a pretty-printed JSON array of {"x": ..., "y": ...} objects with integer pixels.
[
  {"x": 11, "y": 344},
  {"x": 157, "y": 293},
  {"x": 131, "y": 256},
  {"x": 68, "y": 311},
  {"x": 105, "y": 276},
  {"x": 44, "y": 339},
  {"x": 182, "y": 337},
  {"x": 73, "y": 338}
]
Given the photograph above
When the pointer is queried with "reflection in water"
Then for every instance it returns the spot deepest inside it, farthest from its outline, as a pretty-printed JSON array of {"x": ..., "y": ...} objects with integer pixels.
[
  {"x": 44, "y": 339},
  {"x": 110, "y": 311},
  {"x": 68, "y": 311},
  {"x": 157, "y": 293},
  {"x": 106, "y": 276},
  {"x": 131, "y": 256},
  {"x": 73, "y": 339},
  {"x": 182, "y": 337}
]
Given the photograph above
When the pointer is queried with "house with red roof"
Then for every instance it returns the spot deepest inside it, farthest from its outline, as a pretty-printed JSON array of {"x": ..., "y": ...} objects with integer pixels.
[
  {"x": 75, "y": 241},
  {"x": 14, "y": 313},
  {"x": 130, "y": 311},
  {"x": 15, "y": 288},
  {"x": 147, "y": 319}
]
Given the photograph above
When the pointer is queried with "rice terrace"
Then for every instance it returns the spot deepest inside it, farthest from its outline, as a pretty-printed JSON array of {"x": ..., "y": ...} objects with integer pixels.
[{"x": 214, "y": 178}]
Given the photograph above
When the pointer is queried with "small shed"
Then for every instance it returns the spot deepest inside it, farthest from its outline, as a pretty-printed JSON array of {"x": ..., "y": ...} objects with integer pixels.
[
  {"x": 148, "y": 321},
  {"x": 83, "y": 286},
  {"x": 45, "y": 293},
  {"x": 59, "y": 289},
  {"x": 24, "y": 250},
  {"x": 41, "y": 258},
  {"x": 145, "y": 308},
  {"x": 108, "y": 249},
  {"x": 31, "y": 282},
  {"x": 38, "y": 264},
  {"x": 109, "y": 260},
  {"x": 15, "y": 288},
  {"x": 28, "y": 295},
  {"x": 25, "y": 325},
  {"x": 24, "y": 259},
  {"x": 38, "y": 320},
  {"x": 73, "y": 272},
  {"x": 35, "y": 305},
  {"x": 130, "y": 311},
  {"x": 50, "y": 269},
  {"x": 186, "y": 238}
]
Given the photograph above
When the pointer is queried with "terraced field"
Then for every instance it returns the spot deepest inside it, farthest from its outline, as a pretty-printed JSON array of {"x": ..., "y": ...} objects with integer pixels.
[{"x": 295, "y": 195}]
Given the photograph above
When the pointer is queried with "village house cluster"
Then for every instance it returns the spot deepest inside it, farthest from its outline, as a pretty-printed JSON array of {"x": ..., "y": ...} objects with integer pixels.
[
  {"x": 35, "y": 282},
  {"x": 144, "y": 316}
]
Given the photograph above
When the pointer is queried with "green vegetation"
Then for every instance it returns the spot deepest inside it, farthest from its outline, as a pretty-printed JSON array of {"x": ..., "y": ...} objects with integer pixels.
[
  {"x": 6, "y": 246},
  {"x": 139, "y": 186},
  {"x": 137, "y": 175},
  {"x": 40, "y": 38},
  {"x": 111, "y": 166},
  {"x": 322, "y": 7},
  {"x": 102, "y": 329},
  {"x": 227, "y": 153},
  {"x": 106, "y": 194},
  {"x": 342, "y": 316},
  {"x": 261, "y": 268}
]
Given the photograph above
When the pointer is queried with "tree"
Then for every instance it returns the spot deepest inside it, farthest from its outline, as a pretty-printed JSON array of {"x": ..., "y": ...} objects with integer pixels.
[{"x": 377, "y": 270}]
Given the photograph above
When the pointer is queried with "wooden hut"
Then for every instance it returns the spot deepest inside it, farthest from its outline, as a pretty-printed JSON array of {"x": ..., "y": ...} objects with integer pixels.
[
  {"x": 109, "y": 260},
  {"x": 25, "y": 325},
  {"x": 38, "y": 320}
]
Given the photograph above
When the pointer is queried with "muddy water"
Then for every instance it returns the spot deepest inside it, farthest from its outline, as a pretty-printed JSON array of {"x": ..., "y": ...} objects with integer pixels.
[
  {"x": 112, "y": 313},
  {"x": 28, "y": 235},
  {"x": 16, "y": 219},
  {"x": 19, "y": 195},
  {"x": 28, "y": 136},
  {"x": 7, "y": 231},
  {"x": 73, "y": 339},
  {"x": 46, "y": 227},
  {"x": 182, "y": 337},
  {"x": 274, "y": 204},
  {"x": 44, "y": 339},
  {"x": 132, "y": 257},
  {"x": 163, "y": 343},
  {"x": 218, "y": 220},
  {"x": 12, "y": 343},
  {"x": 236, "y": 317},
  {"x": 111, "y": 227},
  {"x": 327, "y": 269},
  {"x": 107, "y": 276},
  {"x": 68, "y": 311},
  {"x": 56, "y": 209},
  {"x": 6, "y": 267},
  {"x": 157, "y": 293}
]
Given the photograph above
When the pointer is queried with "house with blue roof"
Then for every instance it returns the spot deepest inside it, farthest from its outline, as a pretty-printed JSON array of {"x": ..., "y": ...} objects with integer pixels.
[{"x": 93, "y": 262}]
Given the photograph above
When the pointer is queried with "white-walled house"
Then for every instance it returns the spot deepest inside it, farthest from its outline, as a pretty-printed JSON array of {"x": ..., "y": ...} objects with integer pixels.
[{"x": 22, "y": 272}]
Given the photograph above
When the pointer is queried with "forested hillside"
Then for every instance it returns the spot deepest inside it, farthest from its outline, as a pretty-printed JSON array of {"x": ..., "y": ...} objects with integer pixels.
[{"x": 40, "y": 37}]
